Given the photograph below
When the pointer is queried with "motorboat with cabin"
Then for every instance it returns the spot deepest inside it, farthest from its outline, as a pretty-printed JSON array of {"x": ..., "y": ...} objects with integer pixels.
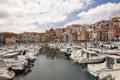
[
  {"x": 108, "y": 70},
  {"x": 90, "y": 57}
]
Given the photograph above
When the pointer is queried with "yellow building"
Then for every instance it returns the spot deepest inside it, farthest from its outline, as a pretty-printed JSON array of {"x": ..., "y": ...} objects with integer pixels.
[
  {"x": 5, "y": 36},
  {"x": 83, "y": 36},
  {"x": 11, "y": 40},
  {"x": 118, "y": 14}
]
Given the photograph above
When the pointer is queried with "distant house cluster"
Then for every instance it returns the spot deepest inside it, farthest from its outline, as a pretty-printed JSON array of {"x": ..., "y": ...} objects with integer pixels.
[
  {"x": 100, "y": 31},
  {"x": 26, "y": 37}
]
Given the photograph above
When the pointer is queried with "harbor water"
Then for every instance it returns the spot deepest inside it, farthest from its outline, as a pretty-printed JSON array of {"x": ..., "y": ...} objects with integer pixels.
[{"x": 51, "y": 65}]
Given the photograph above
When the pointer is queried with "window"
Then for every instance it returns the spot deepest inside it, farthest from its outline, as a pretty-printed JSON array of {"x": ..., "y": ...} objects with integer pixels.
[
  {"x": 87, "y": 55},
  {"x": 93, "y": 55},
  {"x": 110, "y": 62},
  {"x": 118, "y": 60}
]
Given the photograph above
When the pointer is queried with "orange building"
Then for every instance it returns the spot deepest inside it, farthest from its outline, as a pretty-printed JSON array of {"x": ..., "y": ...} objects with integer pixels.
[
  {"x": 115, "y": 21},
  {"x": 59, "y": 32},
  {"x": 42, "y": 37},
  {"x": 50, "y": 35},
  {"x": 67, "y": 30},
  {"x": 75, "y": 28},
  {"x": 30, "y": 37}
]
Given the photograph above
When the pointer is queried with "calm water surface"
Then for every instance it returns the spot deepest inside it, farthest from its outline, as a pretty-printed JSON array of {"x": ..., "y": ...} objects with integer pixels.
[{"x": 51, "y": 65}]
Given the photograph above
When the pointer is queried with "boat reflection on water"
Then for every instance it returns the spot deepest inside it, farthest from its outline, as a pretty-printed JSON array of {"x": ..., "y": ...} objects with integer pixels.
[
  {"x": 50, "y": 53},
  {"x": 23, "y": 75}
]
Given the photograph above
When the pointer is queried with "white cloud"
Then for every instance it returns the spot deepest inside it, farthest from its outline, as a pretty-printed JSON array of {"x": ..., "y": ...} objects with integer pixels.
[
  {"x": 24, "y": 13},
  {"x": 19, "y": 28},
  {"x": 101, "y": 12}
]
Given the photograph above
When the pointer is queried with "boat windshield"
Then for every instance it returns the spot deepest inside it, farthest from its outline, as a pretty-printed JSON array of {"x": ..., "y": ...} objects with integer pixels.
[
  {"x": 94, "y": 55},
  {"x": 118, "y": 60},
  {"x": 110, "y": 62}
]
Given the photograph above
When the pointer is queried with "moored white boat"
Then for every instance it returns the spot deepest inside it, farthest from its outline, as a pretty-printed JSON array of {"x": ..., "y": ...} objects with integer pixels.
[
  {"x": 5, "y": 73},
  {"x": 90, "y": 57},
  {"x": 108, "y": 70},
  {"x": 15, "y": 65}
]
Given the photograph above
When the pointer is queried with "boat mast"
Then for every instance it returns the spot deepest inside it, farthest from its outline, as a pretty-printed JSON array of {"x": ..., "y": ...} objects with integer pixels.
[{"x": 110, "y": 30}]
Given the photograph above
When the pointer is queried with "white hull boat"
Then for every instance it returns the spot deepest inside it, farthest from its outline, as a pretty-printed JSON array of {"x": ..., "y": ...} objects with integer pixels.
[
  {"x": 90, "y": 57},
  {"x": 108, "y": 70},
  {"x": 6, "y": 74}
]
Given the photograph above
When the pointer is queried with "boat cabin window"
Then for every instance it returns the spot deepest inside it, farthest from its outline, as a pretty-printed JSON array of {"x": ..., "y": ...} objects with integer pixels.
[
  {"x": 15, "y": 57},
  {"x": 94, "y": 55},
  {"x": 24, "y": 52},
  {"x": 87, "y": 55},
  {"x": 82, "y": 52},
  {"x": 68, "y": 49},
  {"x": 118, "y": 60},
  {"x": 110, "y": 62}
]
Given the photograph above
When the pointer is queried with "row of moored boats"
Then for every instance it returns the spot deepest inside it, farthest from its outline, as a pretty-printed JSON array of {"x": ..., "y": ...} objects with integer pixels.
[
  {"x": 16, "y": 59},
  {"x": 103, "y": 60}
]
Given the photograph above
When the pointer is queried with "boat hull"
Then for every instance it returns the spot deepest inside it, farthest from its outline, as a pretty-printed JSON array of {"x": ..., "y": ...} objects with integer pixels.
[
  {"x": 92, "y": 61},
  {"x": 9, "y": 76}
]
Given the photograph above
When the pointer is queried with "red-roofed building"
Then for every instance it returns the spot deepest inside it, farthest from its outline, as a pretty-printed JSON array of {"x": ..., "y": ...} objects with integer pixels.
[
  {"x": 51, "y": 35},
  {"x": 42, "y": 37},
  {"x": 116, "y": 35},
  {"x": 116, "y": 21}
]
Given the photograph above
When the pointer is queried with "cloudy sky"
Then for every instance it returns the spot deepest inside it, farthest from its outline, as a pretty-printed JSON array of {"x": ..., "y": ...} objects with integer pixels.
[{"x": 38, "y": 15}]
